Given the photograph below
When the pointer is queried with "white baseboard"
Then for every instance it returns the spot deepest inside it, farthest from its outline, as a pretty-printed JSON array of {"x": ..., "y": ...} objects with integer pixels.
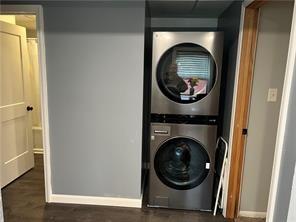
[
  {"x": 91, "y": 200},
  {"x": 37, "y": 150},
  {"x": 252, "y": 214}
]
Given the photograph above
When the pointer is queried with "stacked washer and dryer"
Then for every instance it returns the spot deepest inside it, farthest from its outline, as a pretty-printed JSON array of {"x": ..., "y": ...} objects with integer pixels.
[{"x": 186, "y": 76}]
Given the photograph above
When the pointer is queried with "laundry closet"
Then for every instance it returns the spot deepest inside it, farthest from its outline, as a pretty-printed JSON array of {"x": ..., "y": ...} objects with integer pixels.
[
  {"x": 185, "y": 66},
  {"x": 213, "y": 71},
  {"x": 191, "y": 76}
]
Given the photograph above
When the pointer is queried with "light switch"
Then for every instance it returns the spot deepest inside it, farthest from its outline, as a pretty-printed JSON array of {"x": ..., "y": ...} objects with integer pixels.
[{"x": 272, "y": 95}]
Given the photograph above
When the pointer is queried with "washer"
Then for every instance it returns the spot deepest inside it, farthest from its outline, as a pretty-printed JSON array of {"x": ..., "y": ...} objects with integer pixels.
[
  {"x": 181, "y": 166},
  {"x": 186, "y": 72}
]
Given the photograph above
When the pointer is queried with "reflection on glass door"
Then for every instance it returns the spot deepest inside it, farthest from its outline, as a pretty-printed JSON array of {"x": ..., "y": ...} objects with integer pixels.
[
  {"x": 186, "y": 73},
  {"x": 182, "y": 163}
]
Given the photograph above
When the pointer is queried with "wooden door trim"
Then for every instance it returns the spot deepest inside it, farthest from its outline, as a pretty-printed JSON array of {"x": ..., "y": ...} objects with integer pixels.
[{"x": 244, "y": 88}]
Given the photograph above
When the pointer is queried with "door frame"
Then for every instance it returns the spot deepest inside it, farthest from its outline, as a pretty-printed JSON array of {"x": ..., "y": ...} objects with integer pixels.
[
  {"x": 240, "y": 108},
  {"x": 38, "y": 11},
  {"x": 280, "y": 139}
]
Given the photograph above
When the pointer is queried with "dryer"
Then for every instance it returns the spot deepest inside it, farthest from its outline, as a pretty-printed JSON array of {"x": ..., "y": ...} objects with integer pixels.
[
  {"x": 186, "y": 72},
  {"x": 182, "y": 165}
]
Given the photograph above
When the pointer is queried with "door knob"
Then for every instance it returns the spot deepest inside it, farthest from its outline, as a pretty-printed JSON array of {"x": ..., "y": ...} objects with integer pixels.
[{"x": 29, "y": 108}]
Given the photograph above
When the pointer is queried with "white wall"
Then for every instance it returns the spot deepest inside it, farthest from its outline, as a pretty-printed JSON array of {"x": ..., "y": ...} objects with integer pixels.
[
  {"x": 269, "y": 72},
  {"x": 95, "y": 88},
  {"x": 35, "y": 95},
  {"x": 34, "y": 81}
]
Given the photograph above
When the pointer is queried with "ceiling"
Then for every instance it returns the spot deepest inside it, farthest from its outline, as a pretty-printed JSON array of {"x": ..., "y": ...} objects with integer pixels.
[{"x": 188, "y": 8}]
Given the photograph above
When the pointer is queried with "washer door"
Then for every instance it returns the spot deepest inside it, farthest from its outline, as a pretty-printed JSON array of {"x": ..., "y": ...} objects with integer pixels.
[
  {"x": 182, "y": 163},
  {"x": 186, "y": 73}
]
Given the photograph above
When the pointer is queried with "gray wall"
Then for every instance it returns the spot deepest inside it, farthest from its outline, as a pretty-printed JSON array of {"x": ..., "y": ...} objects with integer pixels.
[
  {"x": 184, "y": 23},
  {"x": 269, "y": 71},
  {"x": 95, "y": 58},
  {"x": 287, "y": 163}
]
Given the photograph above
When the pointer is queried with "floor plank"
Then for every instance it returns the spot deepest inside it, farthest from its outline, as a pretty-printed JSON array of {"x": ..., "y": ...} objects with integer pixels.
[{"x": 23, "y": 201}]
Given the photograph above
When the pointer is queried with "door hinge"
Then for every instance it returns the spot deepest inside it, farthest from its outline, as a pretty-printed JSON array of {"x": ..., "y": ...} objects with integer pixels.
[{"x": 245, "y": 131}]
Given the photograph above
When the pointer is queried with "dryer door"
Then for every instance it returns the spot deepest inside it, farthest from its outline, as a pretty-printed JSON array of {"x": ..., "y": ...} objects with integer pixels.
[
  {"x": 182, "y": 163},
  {"x": 186, "y": 73}
]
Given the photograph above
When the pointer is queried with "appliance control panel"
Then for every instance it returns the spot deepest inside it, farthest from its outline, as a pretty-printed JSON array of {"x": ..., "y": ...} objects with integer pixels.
[{"x": 160, "y": 131}]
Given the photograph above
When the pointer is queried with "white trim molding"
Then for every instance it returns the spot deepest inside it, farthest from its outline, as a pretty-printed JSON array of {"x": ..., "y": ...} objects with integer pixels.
[
  {"x": 252, "y": 214},
  {"x": 292, "y": 204},
  {"x": 38, "y": 11},
  {"x": 92, "y": 200}
]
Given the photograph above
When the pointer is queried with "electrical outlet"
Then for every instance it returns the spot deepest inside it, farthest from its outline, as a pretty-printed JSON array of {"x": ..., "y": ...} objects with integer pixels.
[{"x": 272, "y": 95}]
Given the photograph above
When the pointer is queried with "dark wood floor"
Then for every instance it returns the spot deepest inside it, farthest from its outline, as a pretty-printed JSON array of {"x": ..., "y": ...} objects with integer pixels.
[{"x": 23, "y": 201}]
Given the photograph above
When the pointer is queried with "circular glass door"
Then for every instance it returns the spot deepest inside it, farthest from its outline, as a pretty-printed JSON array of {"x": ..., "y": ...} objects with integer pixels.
[
  {"x": 186, "y": 73},
  {"x": 181, "y": 163}
]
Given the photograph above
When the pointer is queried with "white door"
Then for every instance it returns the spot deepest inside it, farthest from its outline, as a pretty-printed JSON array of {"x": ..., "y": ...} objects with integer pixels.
[{"x": 16, "y": 127}]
